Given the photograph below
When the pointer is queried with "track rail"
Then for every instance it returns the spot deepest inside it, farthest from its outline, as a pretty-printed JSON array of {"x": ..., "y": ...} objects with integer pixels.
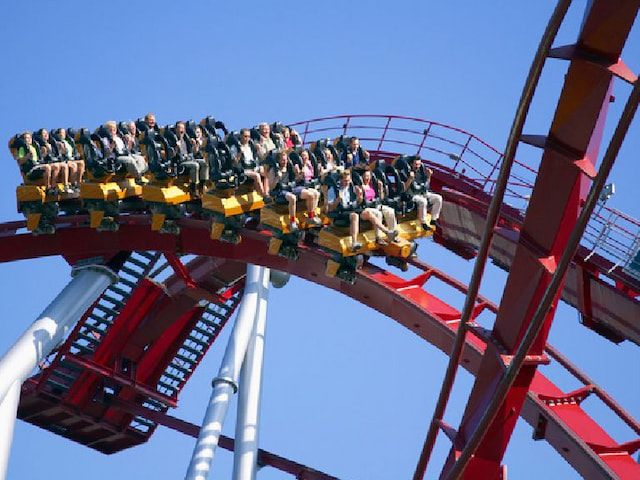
[{"x": 565, "y": 423}]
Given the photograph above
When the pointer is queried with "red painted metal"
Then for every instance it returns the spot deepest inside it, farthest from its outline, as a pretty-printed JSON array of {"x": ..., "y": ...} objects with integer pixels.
[
  {"x": 120, "y": 379},
  {"x": 138, "y": 306},
  {"x": 470, "y": 307},
  {"x": 178, "y": 268},
  {"x": 384, "y": 292},
  {"x": 265, "y": 458},
  {"x": 577, "y": 127}
]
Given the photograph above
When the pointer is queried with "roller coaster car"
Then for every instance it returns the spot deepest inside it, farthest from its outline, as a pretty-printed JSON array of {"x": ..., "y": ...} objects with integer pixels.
[
  {"x": 106, "y": 190},
  {"x": 336, "y": 239},
  {"x": 231, "y": 201},
  {"x": 168, "y": 191},
  {"x": 275, "y": 216},
  {"x": 39, "y": 208}
]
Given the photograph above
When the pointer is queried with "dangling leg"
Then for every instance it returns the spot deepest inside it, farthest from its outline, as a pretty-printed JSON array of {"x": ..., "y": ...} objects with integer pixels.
[
  {"x": 389, "y": 215},
  {"x": 375, "y": 217},
  {"x": 421, "y": 206},
  {"x": 291, "y": 198},
  {"x": 80, "y": 164},
  {"x": 354, "y": 229},
  {"x": 436, "y": 205}
]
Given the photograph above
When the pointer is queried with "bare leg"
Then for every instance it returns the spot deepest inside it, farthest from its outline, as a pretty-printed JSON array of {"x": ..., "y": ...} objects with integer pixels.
[
  {"x": 80, "y": 164},
  {"x": 64, "y": 170},
  {"x": 308, "y": 197},
  {"x": 291, "y": 198},
  {"x": 47, "y": 177},
  {"x": 257, "y": 181},
  {"x": 73, "y": 171},
  {"x": 54, "y": 172},
  {"x": 354, "y": 227}
]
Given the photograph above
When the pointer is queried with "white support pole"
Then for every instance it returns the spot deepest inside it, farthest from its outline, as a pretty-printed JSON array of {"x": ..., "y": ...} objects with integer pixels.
[
  {"x": 51, "y": 327},
  {"x": 226, "y": 383},
  {"x": 245, "y": 457},
  {"x": 8, "y": 411},
  {"x": 53, "y": 324}
]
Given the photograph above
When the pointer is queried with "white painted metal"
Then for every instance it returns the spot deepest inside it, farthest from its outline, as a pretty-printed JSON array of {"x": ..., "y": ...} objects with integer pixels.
[
  {"x": 8, "y": 411},
  {"x": 226, "y": 383},
  {"x": 245, "y": 457},
  {"x": 53, "y": 324}
]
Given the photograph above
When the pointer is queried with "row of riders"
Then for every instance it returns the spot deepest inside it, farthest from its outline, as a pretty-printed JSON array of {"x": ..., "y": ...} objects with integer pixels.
[{"x": 262, "y": 174}]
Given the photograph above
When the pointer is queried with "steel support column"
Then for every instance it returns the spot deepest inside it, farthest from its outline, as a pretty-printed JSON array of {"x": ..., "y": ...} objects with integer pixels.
[
  {"x": 40, "y": 339},
  {"x": 245, "y": 457},
  {"x": 53, "y": 324},
  {"x": 225, "y": 385},
  {"x": 8, "y": 410}
]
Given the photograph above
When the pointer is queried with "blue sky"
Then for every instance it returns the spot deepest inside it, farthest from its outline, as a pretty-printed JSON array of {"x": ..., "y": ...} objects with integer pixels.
[{"x": 346, "y": 390}]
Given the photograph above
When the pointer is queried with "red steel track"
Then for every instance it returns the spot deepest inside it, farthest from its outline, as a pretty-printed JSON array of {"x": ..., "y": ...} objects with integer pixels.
[{"x": 556, "y": 415}]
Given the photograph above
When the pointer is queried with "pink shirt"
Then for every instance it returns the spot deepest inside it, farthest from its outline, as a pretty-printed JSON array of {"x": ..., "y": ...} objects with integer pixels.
[
  {"x": 369, "y": 192},
  {"x": 307, "y": 170}
]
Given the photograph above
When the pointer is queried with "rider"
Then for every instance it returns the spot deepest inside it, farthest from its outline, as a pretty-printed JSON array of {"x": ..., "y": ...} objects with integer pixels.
[
  {"x": 282, "y": 186},
  {"x": 417, "y": 185}
]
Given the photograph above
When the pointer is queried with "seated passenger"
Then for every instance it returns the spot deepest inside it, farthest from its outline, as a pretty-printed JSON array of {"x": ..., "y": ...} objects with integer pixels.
[
  {"x": 375, "y": 211},
  {"x": 49, "y": 153},
  {"x": 343, "y": 200},
  {"x": 330, "y": 164},
  {"x": 150, "y": 122},
  {"x": 31, "y": 164},
  {"x": 416, "y": 184},
  {"x": 290, "y": 138},
  {"x": 116, "y": 150},
  {"x": 306, "y": 173},
  {"x": 68, "y": 154},
  {"x": 198, "y": 167},
  {"x": 131, "y": 138},
  {"x": 245, "y": 158},
  {"x": 197, "y": 142},
  {"x": 265, "y": 143},
  {"x": 282, "y": 187},
  {"x": 355, "y": 156}
]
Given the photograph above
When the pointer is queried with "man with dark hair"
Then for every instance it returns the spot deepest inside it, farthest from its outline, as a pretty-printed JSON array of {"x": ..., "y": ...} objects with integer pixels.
[
  {"x": 417, "y": 184},
  {"x": 342, "y": 201},
  {"x": 355, "y": 156},
  {"x": 198, "y": 167}
]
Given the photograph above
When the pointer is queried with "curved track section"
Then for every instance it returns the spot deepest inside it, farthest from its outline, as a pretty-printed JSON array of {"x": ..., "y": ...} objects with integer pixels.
[{"x": 555, "y": 415}]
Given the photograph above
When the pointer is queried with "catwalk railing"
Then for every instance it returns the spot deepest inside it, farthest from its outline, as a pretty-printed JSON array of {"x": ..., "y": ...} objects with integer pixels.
[{"x": 610, "y": 233}]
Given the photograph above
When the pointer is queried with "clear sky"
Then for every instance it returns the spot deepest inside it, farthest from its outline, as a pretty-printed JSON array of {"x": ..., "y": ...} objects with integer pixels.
[{"x": 346, "y": 390}]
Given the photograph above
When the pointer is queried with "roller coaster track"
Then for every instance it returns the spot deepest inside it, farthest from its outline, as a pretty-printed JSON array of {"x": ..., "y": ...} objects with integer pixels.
[
  {"x": 556, "y": 415},
  {"x": 87, "y": 392}
]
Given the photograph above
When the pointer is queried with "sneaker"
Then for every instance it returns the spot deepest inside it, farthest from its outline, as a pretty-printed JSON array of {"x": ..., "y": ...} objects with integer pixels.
[
  {"x": 426, "y": 226},
  {"x": 435, "y": 224},
  {"x": 293, "y": 227},
  {"x": 314, "y": 222},
  {"x": 392, "y": 235},
  {"x": 381, "y": 242},
  {"x": 356, "y": 246}
]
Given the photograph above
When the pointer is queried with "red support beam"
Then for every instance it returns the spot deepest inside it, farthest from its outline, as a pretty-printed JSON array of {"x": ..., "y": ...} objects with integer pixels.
[
  {"x": 545, "y": 235},
  {"x": 142, "y": 300}
]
